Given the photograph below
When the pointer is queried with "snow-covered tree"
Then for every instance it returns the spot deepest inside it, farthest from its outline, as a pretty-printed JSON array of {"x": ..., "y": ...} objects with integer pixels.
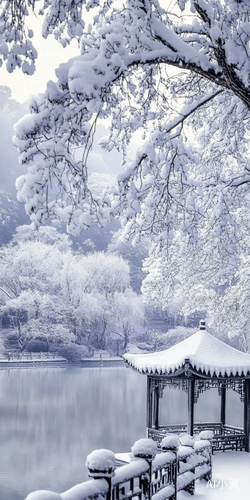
[
  {"x": 133, "y": 254},
  {"x": 16, "y": 33},
  {"x": 30, "y": 275},
  {"x": 226, "y": 308},
  {"x": 50, "y": 293},
  {"x": 11, "y": 212},
  {"x": 47, "y": 235},
  {"x": 175, "y": 79},
  {"x": 158, "y": 340},
  {"x": 99, "y": 291},
  {"x": 126, "y": 321}
]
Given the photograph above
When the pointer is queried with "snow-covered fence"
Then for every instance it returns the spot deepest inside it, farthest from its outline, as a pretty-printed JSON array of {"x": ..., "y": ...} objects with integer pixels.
[
  {"x": 225, "y": 437},
  {"x": 152, "y": 474},
  {"x": 16, "y": 355}
]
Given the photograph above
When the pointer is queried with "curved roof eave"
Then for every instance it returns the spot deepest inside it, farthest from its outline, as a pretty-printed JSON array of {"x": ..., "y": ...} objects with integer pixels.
[{"x": 201, "y": 354}]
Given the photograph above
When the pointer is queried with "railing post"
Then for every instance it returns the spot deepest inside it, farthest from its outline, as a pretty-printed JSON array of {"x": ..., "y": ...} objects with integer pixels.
[
  {"x": 171, "y": 443},
  {"x": 188, "y": 441},
  {"x": 208, "y": 436},
  {"x": 147, "y": 449},
  {"x": 101, "y": 465}
]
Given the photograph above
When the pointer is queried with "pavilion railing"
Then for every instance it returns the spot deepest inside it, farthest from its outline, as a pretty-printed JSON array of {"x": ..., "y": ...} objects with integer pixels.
[
  {"x": 152, "y": 474},
  {"x": 226, "y": 437}
]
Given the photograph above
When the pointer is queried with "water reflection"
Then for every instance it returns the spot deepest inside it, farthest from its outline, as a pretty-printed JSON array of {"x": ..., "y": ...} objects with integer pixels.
[{"x": 51, "y": 419}]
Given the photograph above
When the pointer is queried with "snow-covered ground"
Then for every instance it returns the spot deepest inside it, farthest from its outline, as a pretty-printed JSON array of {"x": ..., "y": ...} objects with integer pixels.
[{"x": 230, "y": 481}]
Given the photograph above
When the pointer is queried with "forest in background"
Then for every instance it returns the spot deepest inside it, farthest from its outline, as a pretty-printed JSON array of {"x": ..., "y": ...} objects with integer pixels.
[
  {"x": 54, "y": 322},
  {"x": 36, "y": 301}
]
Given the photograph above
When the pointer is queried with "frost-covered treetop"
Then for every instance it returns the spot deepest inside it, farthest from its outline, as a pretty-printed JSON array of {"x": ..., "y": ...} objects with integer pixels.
[
  {"x": 189, "y": 179},
  {"x": 204, "y": 352}
]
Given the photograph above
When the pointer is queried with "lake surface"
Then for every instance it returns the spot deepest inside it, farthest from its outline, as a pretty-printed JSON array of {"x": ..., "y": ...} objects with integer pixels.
[{"x": 50, "y": 419}]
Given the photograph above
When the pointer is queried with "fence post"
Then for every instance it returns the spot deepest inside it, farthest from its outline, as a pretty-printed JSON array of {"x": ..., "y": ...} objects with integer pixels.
[
  {"x": 188, "y": 441},
  {"x": 208, "y": 436},
  {"x": 101, "y": 465},
  {"x": 147, "y": 449},
  {"x": 171, "y": 443}
]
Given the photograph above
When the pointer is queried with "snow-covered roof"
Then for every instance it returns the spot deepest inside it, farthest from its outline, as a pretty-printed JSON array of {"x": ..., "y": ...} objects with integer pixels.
[{"x": 204, "y": 352}]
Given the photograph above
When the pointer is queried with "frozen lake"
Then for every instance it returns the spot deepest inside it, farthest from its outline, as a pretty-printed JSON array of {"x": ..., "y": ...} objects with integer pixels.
[{"x": 50, "y": 419}]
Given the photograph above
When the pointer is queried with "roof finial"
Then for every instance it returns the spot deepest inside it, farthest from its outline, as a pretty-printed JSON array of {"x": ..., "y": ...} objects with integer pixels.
[{"x": 202, "y": 324}]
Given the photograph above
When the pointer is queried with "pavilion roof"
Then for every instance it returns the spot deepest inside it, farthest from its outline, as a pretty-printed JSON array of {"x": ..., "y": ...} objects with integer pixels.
[{"x": 204, "y": 352}]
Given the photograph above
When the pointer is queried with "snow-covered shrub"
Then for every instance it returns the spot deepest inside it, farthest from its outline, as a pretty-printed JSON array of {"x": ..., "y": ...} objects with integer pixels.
[
  {"x": 144, "y": 346},
  {"x": 36, "y": 345},
  {"x": 10, "y": 341},
  {"x": 11, "y": 337},
  {"x": 74, "y": 352},
  {"x": 53, "y": 347}
]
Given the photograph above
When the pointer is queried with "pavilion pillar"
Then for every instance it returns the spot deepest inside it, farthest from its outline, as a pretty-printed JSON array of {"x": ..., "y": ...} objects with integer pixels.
[
  {"x": 149, "y": 403},
  {"x": 190, "y": 423},
  {"x": 247, "y": 414},
  {"x": 223, "y": 405},
  {"x": 156, "y": 408}
]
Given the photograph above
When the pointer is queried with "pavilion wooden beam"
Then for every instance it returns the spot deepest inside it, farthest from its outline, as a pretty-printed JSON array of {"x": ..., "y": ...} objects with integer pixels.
[
  {"x": 247, "y": 414},
  {"x": 149, "y": 403},
  {"x": 156, "y": 408},
  {"x": 190, "y": 423},
  {"x": 223, "y": 405}
]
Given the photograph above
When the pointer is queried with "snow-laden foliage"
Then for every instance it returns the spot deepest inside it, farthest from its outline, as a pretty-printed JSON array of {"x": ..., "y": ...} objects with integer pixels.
[
  {"x": 133, "y": 254},
  {"x": 49, "y": 292},
  {"x": 47, "y": 235},
  {"x": 227, "y": 308},
  {"x": 11, "y": 212},
  {"x": 62, "y": 18},
  {"x": 30, "y": 275},
  {"x": 108, "y": 313},
  {"x": 188, "y": 181}
]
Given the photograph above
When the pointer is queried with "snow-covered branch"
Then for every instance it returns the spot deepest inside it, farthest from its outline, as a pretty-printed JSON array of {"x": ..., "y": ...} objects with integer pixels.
[{"x": 188, "y": 180}]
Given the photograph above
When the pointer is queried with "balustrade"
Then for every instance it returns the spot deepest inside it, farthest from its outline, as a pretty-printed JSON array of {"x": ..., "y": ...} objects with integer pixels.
[
  {"x": 225, "y": 437},
  {"x": 151, "y": 474}
]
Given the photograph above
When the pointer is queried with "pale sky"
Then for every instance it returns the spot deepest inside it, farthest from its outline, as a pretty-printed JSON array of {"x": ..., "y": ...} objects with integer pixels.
[{"x": 50, "y": 55}]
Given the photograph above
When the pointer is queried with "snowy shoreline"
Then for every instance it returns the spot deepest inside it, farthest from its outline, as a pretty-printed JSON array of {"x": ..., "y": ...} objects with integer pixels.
[{"x": 60, "y": 363}]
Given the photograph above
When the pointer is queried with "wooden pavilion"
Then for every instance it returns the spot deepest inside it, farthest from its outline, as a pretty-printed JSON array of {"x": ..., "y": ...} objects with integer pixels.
[{"x": 195, "y": 365}]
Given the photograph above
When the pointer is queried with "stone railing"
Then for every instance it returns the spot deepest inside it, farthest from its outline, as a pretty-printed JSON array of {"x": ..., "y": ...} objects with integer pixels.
[
  {"x": 17, "y": 356},
  {"x": 151, "y": 474}
]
